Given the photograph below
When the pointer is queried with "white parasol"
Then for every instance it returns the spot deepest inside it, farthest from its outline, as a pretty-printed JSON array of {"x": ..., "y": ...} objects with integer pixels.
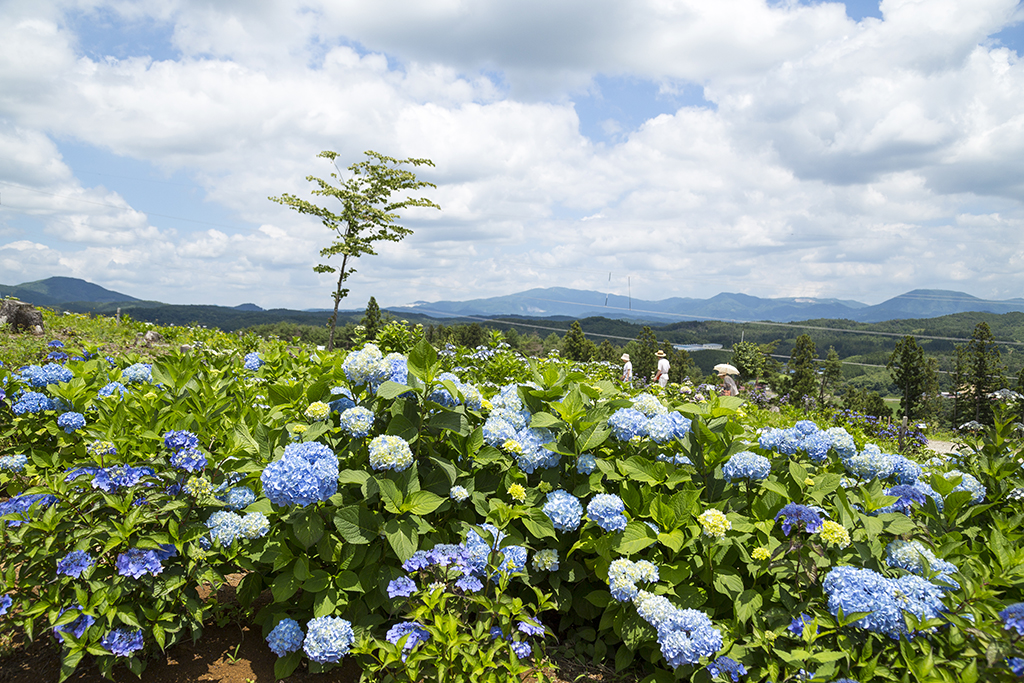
[{"x": 726, "y": 369}]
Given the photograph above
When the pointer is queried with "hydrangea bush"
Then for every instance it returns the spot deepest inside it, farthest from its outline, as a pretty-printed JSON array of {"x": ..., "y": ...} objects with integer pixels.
[{"x": 453, "y": 515}]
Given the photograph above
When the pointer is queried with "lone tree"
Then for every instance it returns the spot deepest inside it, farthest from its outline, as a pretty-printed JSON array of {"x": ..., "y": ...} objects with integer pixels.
[
  {"x": 368, "y": 214},
  {"x": 805, "y": 371},
  {"x": 372, "y": 321},
  {"x": 910, "y": 374},
  {"x": 831, "y": 375},
  {"x": 985, "y": 371},
  {"x": 574, "y": 344}
]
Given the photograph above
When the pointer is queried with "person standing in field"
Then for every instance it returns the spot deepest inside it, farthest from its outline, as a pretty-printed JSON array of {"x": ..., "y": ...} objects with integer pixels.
[
  {"x": 661, "y": 376},
  {"x": 730, "y": 388},
  {"x": 627, "y": 369}
]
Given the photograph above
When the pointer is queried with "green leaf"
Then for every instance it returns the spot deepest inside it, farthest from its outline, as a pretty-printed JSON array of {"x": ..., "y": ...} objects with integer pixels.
[
  {"x": 672, "y": 540},
  {"x": 390, "y": 390},
  {"x": 284, "y": 587},
  {"x": 317, "y": 581},
  {"x": 544, "y": 421},
  {"x": 353, "y": 477},
  {"x": 422, "y": 361},
  {"x": 356, "y": 524},
  {"x": 728, "y": 582},
  {"x": 451, "y": 420},
  {"x": 402, "y": 536},
  {"x": 390, "y": 494},
  {"x": 748, "y": 604},
  {"x": 308, "y": 529},
  {"x": 539, "y": 524},
  {"x": 422, "y": 502},
  {"x": 592, "y": 437},
  {"x": 599, "y": 598},
  {"x": 285, "y": 666},
  {"x": 635, "y": 537},
  {"x": 401, "y": 426}
]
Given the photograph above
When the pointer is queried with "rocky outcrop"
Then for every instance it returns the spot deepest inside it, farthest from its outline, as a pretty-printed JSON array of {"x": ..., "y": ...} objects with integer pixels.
[{"x": 21, "y": 316}]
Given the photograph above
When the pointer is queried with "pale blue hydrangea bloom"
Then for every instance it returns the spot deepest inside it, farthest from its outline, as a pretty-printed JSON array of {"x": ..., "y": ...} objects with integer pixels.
[
  {"x": 649, "y": 405},
  {"x": 586, "y": 463},
  {"x": 306, "y": 473},
  {"x": 912, "y": 556},
  {"x": 497, "y": 430},
  {"x": 366, "y": 366},
  {"x": 238, "y": 498},
  {"x": 545, "y": 560},
  {"x": 607, "y": 510},
  {"x": 869, "y": 464},
  {"x": 747, "y": 465},
  {"x": 533, "y": 455},
  {"x": 624, "y": 574},
  {"x": 968, "y": 483},
  {"x": 458, "y": 493},
  {"x": 253, "y": 362},
  {"x": 627, "y": 423},
  {"x": 328, "y": 639},
  {"x": 564, "y": 510},
  {"x": 139, "y": 373},
  {"x": 13, "y": 463},
  {"x": 842, "y": 443},
  {"x": 357, "y": 421},
  {"x": 32, "y": 402},
  {"x": 113, "y": 388},
  {"x": 885, "y": 600},
  {"x": 390, "y": 452}
]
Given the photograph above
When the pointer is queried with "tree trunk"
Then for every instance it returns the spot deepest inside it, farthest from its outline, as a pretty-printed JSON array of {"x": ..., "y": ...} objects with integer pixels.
[{"x": 337, "y": 301}]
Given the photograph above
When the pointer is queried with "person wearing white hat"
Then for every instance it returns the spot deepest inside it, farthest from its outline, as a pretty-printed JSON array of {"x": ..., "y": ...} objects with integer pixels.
[
  {"x": 627, "y": 369},
  {"x": 661, "y": 376}
]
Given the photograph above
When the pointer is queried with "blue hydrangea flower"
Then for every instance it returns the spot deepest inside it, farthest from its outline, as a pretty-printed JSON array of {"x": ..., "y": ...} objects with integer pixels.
[
  {"x": 469, "y": 584},
  {"x": 522, "y": 649},
  {"x": 71, "y": 422},
  {"x": 842, "y": 443},
  {"x": 498, "y": 430},
  {"x": 1013, "y": 618},
  {"x": 344, "y": 401},
  {"x": 77, "y": 628},
  {"x": 113, "y": 388},
  {"x": 803, "y": 515},
  {"x": 32, "y": 402},
  {"x": 13, "y": 463},
  {"x": 40, "y": 377},
  {"x": 178, "y": 440},
  {"x": 908, "y": 496},
  {"x": 532, "y": 455},
  {"x": 357, "y": 421},
  {"x": 253, "y": 362},
  {"x": 238, "y": 498},
  {"x": 55, "y": 344},
  {"x": 1014, "y": 664},
  {"x": 607, "y": 510},
  {"x": 366, "y": 366},
  {"x": 649, "y": 405},
  {"x": 796, "y": 627},
  {"x": 122, "y": 642},
  {"x": 74, "y": 563},
  {"x": 816, "y": 445},
  {"x": 399, "y": 367},
  {"x": 255, "y": 525},
  {"x": 285, "y": 638},
  {"x": 586, "y": 463},
  {"x": 412, "y": 631},
  {"x": 747, "y": 465},
  {"x": 885, "y": 600},
  {"x": 723, "y": 666},
  {"x": 139, "y": 373},
  {"x": 224, "y": 527},
  {"x": 627, "y": 423},
  {"x": 306, "y": 473},
  {"x": 624, "y": 574},
  {"x": 904, "y": 470},
  {"x": 328, "y": 639},
  {"x": 458, "y": 493},
  {"x": 403, "y": 586},
  {"x": 564, "y": 510},
  {"x": 530, "y": 629},
  {"x": 22, "y": 505},
  {"x": 136, "y": 562},
  {"x": 113, "y": 478},
  {"x": 5, "y": 604},
  {"x": 688, "y": 636},
  {"x": 188, "y": 459},
  {"x": 912, "y": 556},
  {"x": 869, "y": 464},
  {"x": 967, "y": 483}
]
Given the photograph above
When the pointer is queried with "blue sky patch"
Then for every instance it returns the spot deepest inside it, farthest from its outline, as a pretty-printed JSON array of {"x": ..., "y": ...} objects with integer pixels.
[{"x": 617, "y": 105}]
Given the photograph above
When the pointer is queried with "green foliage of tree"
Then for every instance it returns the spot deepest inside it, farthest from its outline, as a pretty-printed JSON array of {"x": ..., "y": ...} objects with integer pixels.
[
  {"x": 831, "y": 376},
  {"x": 368, "y": 213},
  {"x": 910, "y": 373},
  {"x": 986, "y": 371},
  {"x": 575, "y": 344},
  {"x": 608, "y": 352},
  {"x": 552, "y": 342},
  {"x": 804, "y": 370},
  {"x": 372, "y": 321},
  {"x": 644, "y": 360}
]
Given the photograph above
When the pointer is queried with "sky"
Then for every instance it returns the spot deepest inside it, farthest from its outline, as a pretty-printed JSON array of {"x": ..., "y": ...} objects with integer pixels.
[{"x": 655, "y": 148}]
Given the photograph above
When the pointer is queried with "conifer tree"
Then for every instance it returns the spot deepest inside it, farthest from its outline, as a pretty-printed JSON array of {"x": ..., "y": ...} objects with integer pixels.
[
  {"x": 371, "y": 321},
  {"x": 804, "y": 378},
  {"x": 574, "y": 344},
  {"x": 910, "y": 374}
]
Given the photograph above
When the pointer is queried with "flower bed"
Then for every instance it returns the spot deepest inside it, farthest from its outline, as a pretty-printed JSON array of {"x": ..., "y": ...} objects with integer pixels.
[{"x": 436, "y": 528}]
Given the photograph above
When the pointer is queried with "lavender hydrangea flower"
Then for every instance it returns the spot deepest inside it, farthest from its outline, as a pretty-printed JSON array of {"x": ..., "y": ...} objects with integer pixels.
[
  {"x": 77, "y": 628},
  {"x": 1013, "y": 618}
]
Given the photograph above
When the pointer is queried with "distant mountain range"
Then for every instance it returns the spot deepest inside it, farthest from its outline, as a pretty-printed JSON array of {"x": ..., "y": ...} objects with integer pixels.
[
  {"x": 574, "y": 303},
  {"x": 76, "y": 294}
]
